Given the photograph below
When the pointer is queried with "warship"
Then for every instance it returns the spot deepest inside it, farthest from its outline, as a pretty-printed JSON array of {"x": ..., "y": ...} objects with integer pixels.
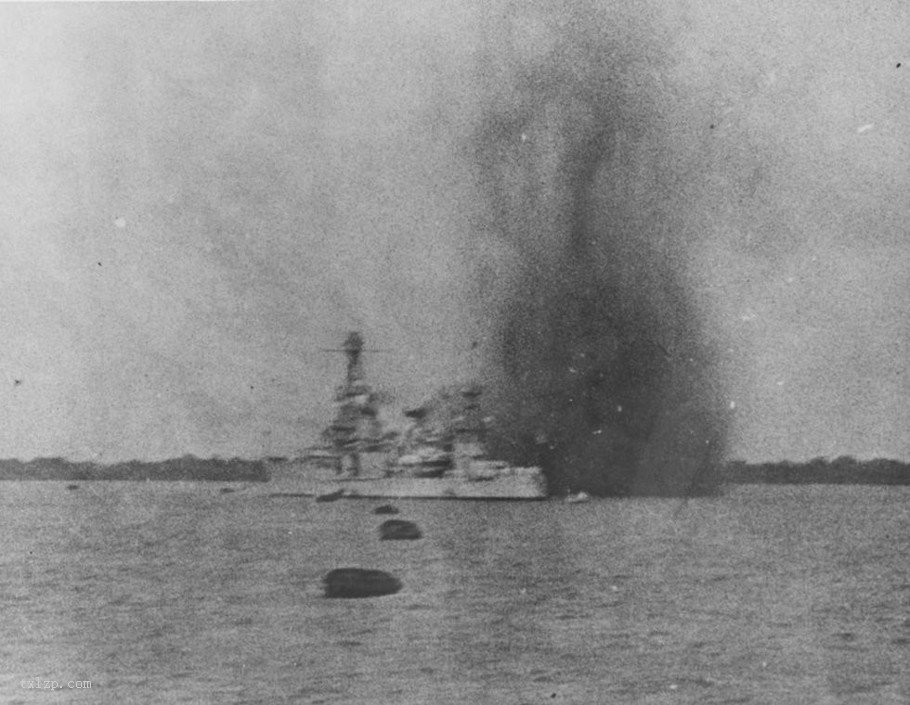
[{"x": 441, "y": 453}]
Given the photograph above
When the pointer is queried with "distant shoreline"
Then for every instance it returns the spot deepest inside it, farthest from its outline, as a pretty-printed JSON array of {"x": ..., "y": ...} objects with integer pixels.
[
  {"x": 187, "y": 468},
  {"x": 840, "y": 471},
  {"x": 844, "y": 470}
]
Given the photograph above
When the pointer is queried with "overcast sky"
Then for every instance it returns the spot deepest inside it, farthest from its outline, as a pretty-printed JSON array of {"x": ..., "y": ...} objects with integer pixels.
[{"x": 198, "y": 198}]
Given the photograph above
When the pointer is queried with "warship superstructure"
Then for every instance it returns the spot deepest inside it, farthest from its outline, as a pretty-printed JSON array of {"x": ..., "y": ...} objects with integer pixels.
[{"x": 440, "y": 454}]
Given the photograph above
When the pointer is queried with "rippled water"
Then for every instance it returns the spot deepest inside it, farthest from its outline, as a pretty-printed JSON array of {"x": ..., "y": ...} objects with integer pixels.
[{"x": 177, "y": 592}]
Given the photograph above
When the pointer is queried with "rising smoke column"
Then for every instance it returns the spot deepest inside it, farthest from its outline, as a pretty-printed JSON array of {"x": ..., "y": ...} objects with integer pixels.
[{"x": 602, "y": 373}]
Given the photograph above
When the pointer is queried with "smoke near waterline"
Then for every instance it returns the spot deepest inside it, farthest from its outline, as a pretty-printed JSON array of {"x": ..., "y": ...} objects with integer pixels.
[{"x": 602, "y": 371}]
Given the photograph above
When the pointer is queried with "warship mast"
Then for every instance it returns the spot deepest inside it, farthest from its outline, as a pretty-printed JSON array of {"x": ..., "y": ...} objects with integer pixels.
[{"x": 356, "y": 424}]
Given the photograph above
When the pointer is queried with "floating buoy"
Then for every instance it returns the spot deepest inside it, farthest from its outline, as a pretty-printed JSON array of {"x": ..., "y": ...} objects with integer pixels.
[
  {"x": 399, "y": 530},
  {"x": 358, "y": 582},
  {"x": 386, "y": 509}
]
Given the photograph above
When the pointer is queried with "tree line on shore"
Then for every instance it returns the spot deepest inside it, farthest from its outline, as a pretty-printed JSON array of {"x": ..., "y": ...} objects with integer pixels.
[
  {"x": 188, "y": 467},
  {"x": 844, "y": 470}
]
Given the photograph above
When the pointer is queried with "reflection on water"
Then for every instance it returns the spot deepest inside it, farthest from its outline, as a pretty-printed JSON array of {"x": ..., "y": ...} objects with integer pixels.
[{"x": 177, "y": 592}]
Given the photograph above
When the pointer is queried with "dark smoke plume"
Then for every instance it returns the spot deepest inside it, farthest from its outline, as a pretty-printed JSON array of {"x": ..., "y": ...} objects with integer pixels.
[{"x": 603, "y": 374}]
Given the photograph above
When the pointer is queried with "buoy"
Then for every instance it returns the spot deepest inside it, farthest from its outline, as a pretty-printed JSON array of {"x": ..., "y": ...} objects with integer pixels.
[
  {"x": 359, "y": 582},
  {"x": 399, "y": 530}
]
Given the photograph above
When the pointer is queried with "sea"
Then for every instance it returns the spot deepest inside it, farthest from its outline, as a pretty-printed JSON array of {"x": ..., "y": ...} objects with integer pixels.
[{"x": 170, "y": 592}]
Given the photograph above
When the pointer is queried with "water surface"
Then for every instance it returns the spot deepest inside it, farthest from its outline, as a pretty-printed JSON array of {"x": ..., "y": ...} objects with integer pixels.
[{"x": 179, "y": 593}]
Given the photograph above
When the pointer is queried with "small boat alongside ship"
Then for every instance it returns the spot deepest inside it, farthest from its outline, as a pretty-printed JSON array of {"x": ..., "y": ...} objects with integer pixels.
[
  {"x": 578, "y": 498},
  {"x": 442, "y": 460}
]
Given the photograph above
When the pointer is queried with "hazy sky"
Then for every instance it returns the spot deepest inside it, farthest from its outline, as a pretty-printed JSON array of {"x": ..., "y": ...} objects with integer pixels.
[{"x": 198, "y": 198}]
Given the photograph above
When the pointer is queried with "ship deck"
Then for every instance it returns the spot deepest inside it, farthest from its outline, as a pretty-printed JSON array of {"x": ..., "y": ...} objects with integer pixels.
[{"x": 308, "y": 479}]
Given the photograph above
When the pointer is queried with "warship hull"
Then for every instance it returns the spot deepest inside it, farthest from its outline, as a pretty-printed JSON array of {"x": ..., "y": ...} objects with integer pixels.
[
  {"x": 308, "y": 479},
  {"x": 440, "y": 455}
]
